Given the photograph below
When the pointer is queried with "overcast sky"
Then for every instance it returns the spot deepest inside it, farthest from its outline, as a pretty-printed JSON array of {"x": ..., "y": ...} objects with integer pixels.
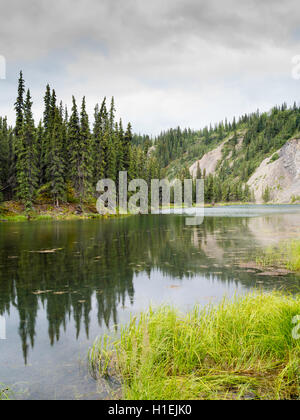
[{"x": 166, "y": 62}]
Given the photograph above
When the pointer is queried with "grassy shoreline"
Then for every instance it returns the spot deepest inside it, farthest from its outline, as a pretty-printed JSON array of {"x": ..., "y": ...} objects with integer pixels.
[
  {"x": 14, "y": 212},
  {"x": 53, "y": 217},
  {"x": 241, "y": 349}
]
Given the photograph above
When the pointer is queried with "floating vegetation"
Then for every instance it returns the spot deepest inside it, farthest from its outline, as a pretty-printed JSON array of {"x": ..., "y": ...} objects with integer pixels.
[
  {"x": 287, "y": 256},
  {"x": 46, "y": 251},
  {"x": 41, "y": 292}
]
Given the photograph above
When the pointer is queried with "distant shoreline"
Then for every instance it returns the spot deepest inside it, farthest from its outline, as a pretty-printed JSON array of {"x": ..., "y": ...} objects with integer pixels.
[{"x": 12, "y": 211}]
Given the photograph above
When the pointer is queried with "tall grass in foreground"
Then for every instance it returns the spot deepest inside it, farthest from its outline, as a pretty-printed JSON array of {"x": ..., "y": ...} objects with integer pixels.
[
  {"x": 287, "y": 255},
  {"x": 242, "y": 348}
]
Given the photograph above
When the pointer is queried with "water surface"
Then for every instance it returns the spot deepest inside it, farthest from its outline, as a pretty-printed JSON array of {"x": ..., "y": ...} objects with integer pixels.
[{"x": 62, "y": 284}]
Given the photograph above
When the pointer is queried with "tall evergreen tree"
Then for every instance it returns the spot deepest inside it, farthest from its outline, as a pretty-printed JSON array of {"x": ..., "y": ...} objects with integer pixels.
[
  {"x": 85, "y": 174},
  {"x": 56, "y": 166},
  {"x": 127, "y": 147},
  {"x": 4, "y": 157},
  {"x": 15, "y": 139},
  {"x": 47, "y": 109},
  {"x": 45, "y": 149},
  {"x": 120, "y": 148},
  {"x": 112, "y": 114},
  {"x": 19, "y": 105},
  {"x": 40, "y": 133},
  {"x": 74, "y": 145},
  {"x": 111, "y": 158},
  {"x": 27, "y": 157},
  {"x": 98, "y": 145}
]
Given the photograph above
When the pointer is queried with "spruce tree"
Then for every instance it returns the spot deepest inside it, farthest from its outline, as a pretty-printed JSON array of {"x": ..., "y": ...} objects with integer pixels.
[
  {"x": 57, "y": 167},
  {"x": 15, "y": 140},
  {"x": 120, "y": 151},
  {"x": 112, "y": 114},
  {"x": 132, "y": 167},
  {"x": 45, "y": 149},
  {"x": 52, "y": 111},
  {"x": 40, "y": 133},
  {"x": 74, "y": 145},
  {"x": 111, "y": 158},
  {"x": 47, "y": 100},
  {"x": 85, "y": 172},
  {"x": 98, "y": 145},
  {"x": 19, "y": 105},
  {"x": 127, "y": 147},
  {"x": 4, "y": 155},
  {"x": 26, "y": 157}
]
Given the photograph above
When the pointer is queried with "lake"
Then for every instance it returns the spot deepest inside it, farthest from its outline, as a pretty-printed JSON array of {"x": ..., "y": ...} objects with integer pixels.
[{"x": 62, "y": 284}]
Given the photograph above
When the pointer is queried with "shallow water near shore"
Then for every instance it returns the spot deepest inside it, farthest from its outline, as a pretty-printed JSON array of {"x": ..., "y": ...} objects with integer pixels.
[{"x": 62, "y": 284}]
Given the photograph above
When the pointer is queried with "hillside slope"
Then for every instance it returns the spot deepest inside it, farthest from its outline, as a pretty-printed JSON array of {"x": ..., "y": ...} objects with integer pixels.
[
  {"x": 278, "y": 174},
  {"x": 254, "y": 157}
]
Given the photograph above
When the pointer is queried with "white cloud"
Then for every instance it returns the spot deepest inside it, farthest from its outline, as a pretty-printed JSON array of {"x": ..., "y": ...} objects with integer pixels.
[{"x": 186, "y": 62}]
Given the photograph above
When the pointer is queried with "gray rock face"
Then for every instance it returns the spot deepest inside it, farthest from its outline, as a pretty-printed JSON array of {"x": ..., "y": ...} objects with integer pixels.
[
  {"x": 290, "y": 154},
  {"x": 281, "y": 176},
  {"x": 208, "y": 162}
]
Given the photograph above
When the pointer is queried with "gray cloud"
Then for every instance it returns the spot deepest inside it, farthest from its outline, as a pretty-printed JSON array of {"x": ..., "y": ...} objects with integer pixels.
[{"x": 167, "y": 62}]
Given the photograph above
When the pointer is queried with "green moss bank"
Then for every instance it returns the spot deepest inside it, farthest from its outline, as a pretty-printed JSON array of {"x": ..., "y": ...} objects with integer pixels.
[{"x": 12, "y": 211}]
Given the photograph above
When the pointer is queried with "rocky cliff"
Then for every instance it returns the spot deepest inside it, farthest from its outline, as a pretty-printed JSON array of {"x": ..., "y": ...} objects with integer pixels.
[{"x": 281, "y": 177}]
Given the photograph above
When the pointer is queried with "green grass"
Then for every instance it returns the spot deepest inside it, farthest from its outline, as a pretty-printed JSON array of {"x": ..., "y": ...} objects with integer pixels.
[
  {"x": 286, "y": 255},
  {"x": 241, "y": 349},
  {"x": 5, "y": 393},
  {"x": 13, "y": 211},
  {"x": 54, "y": 216},
  {"x": 274, "y": 158},
  {"x": 295, "y": 199}
]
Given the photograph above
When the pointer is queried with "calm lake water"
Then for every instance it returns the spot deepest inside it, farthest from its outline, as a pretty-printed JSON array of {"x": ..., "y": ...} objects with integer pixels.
[{"x": 99, "y": 272}]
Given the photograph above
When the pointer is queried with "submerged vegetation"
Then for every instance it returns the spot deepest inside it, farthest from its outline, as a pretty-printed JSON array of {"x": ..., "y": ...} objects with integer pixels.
[
  {"x": 287, "y": 255},
  {"x": 241, "y": 349}
]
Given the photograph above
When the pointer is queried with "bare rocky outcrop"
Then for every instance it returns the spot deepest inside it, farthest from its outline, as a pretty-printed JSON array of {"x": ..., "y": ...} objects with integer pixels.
[
  {"x": 208, "y": 162},
  {"x": 282, "y": 176}
]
